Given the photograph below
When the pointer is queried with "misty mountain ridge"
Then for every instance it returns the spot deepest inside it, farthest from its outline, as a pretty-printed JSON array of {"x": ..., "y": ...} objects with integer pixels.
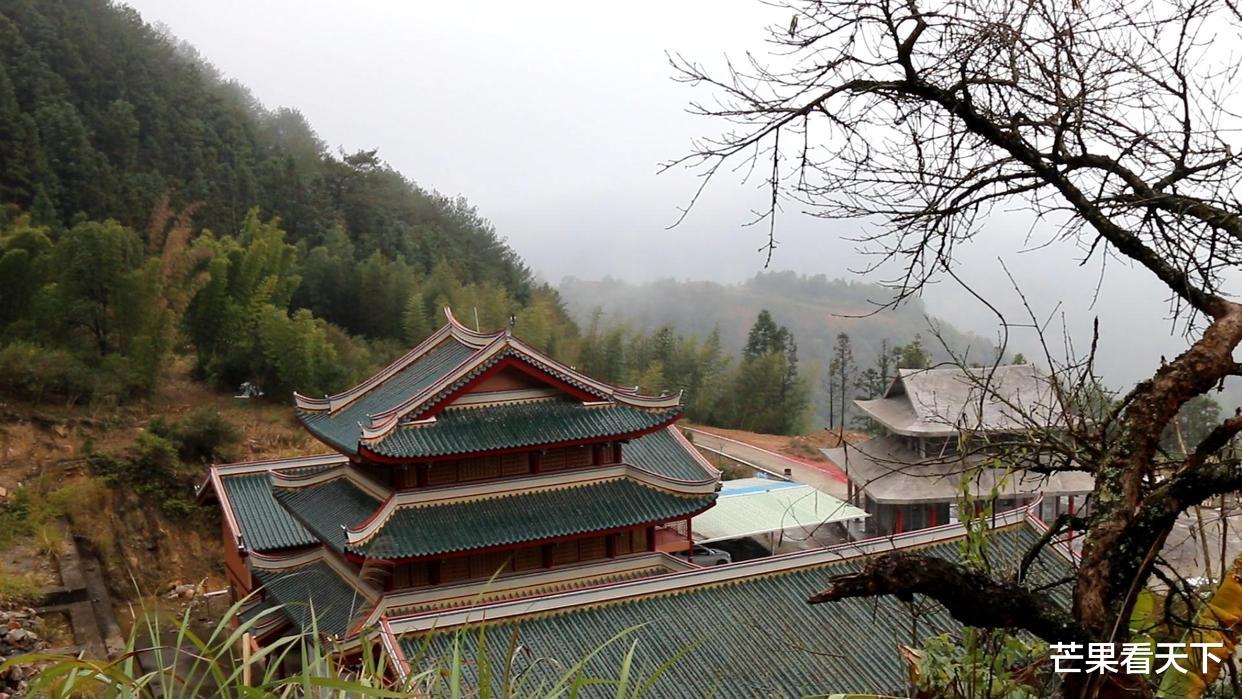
[{"x": 814, "y": 307}]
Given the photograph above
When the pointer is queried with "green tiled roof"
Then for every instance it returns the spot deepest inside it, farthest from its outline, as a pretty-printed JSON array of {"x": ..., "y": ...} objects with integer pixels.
[
  {"x": 529, "y": 516},
  {"x": 314, "y": 586},
  {"x": 260, "y": 607},
  {"x": 340, "y": 428},
  {"x": 496, "y": 359},
  {"x": 265, "y": 525},
  {"x": 550, "y": 588},
  {"x": 662, "y": 453},
  {"x": 326, "y": 507},
  {"x": 755, "y": 637},
  {"x": 468, "y": 430}
]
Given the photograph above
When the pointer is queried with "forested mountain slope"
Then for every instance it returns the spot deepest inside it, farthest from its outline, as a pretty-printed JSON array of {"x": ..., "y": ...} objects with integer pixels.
[
  {"x": 101, "y": 115},
  {"x": 146, "y": 202}
]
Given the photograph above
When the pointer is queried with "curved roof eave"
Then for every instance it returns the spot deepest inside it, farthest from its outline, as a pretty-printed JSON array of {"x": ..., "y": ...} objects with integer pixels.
[{"x": 452, "y": 329}]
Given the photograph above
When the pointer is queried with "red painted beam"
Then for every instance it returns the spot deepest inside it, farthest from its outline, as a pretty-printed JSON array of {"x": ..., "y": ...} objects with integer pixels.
[{"x": 506, "y": 363}]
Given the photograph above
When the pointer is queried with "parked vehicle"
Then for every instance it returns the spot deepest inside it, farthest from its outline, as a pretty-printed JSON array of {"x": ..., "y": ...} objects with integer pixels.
[{"x": 705, "y": 556}]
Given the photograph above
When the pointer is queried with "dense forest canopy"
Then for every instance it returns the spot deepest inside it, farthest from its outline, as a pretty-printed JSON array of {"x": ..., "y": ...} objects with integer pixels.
[
  {"x": 111, "y": 130},
  {"x": 101, "y": 115}
]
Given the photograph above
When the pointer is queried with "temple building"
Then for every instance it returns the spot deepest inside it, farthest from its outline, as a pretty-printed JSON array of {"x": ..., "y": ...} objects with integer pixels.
[
  {"x": 477, "y": 487},
  {"x": 949, "y": 431},
  {"x": 473, "y": 467}
]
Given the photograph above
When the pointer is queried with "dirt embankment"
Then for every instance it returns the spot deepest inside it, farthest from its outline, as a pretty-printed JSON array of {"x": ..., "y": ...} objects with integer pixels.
[{"x": 43, "y": 450}]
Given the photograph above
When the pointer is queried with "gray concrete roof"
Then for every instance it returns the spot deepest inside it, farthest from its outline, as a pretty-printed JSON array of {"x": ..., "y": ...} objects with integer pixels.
[
  {"x": 891, "y": 473},
  {"x": 942, "y": 401}
]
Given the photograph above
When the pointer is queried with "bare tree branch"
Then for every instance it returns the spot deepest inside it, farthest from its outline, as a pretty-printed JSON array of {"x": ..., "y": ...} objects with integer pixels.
[{"x": 971, "y": 596}]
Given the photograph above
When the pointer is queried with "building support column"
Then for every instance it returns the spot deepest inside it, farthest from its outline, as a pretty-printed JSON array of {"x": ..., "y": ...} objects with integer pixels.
[
  {"x": 689, "y": 541},
  {"x": 1071, "y": 513}
]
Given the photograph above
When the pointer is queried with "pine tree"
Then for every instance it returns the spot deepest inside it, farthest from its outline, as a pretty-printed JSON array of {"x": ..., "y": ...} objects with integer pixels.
[
  {"x": 842, "y": 372},
  {"x": 769, "y": 395},
  {"x": 765, "y": 336},
  {"x": 912, "y": 355}
]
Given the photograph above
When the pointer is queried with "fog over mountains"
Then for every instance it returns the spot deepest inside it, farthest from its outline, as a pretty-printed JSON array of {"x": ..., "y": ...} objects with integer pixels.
[
  {"x": 815, "y": 309},
  {"x": 556, "y": 133}
]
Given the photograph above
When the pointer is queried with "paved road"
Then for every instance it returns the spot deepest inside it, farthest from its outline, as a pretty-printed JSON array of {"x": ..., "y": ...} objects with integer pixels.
[{"x": 824, "y": 477}]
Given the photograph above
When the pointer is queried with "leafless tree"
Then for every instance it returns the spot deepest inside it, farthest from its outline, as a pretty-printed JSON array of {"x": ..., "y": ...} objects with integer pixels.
[{"x": 1112, "y": 120}]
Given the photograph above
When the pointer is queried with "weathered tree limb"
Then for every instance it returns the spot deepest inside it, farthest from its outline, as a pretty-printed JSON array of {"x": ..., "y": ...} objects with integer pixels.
[
  {"x": 971, "y": 596},
  {"x": 1066, "y": 521}
]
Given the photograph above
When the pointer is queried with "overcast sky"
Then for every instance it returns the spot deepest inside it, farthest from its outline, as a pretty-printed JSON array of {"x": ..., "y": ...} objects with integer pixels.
[{"x": 553, "y": 118}]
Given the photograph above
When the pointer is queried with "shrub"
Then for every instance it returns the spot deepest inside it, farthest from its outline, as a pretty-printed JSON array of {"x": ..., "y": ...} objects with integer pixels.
[
  {"x": 152, "y": 471},
  {"x": 206, "y": 436},
  {"x": 36, "y": 373},
  {"x": 33, "y": 511},
  {"x": 155, "y": 457},
  {"x": 13, "y": 520}
]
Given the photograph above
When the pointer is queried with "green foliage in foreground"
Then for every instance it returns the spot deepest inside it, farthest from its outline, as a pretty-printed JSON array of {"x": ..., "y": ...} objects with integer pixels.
[
  {"x": 984, "y": 664},
  {"x": 187, "y": 664}
]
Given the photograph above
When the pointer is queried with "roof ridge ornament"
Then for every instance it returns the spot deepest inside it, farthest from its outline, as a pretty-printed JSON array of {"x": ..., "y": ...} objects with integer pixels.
[{"x": 464, "y": 362}]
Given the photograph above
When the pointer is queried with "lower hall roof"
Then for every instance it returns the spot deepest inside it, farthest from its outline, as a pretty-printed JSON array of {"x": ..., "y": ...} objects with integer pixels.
[
  {"x": 313, "y": 596},
  {"x": 752, "y": 635}
]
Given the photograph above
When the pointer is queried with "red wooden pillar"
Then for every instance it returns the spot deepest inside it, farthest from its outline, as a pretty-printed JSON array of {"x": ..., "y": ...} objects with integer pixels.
[
  {"x": 931, "y": 518},
  {"x": 597, "y": 454},
  {"x": 610, "y": 545},
  {"x": 897, "y": 524},
  {"x": 433, "y": 572},
  {"x": 534, "y": 462},
  {"x": 651, "y": 539},
  {"x": 547, "y": 555},
  {"x": 689, "y": 540},
  {"x": 422, "y": 475},
  {"x": 1071, "y": 512}
]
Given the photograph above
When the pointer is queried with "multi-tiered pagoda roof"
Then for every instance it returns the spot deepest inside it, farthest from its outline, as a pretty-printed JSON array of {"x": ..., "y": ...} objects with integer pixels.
[
  {"x": 477, "y": 484},
  {"x": 403, "y": 412},
  {"x": 470, "y": 454}
]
